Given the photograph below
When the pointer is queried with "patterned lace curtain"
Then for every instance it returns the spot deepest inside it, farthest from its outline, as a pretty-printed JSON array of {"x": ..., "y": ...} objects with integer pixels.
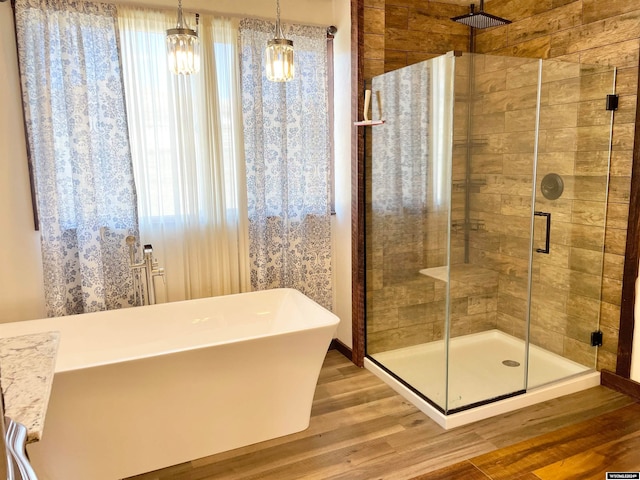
[
  {"x": 79, "y": 152},
  {"x": 287, "y": 150}
]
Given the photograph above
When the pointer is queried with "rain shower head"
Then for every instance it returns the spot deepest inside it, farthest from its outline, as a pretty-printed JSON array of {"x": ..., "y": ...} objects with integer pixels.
[{"x": 480, "y": 19}]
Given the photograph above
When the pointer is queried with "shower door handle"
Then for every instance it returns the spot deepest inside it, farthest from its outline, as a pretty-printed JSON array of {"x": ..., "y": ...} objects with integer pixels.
[{"x": 546, "y": 242}]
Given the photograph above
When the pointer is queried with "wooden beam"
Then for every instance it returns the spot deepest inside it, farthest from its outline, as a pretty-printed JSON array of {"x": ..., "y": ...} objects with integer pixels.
[
  {"x": 627, "y": 320},
  {"x": 357, "y": 185}
]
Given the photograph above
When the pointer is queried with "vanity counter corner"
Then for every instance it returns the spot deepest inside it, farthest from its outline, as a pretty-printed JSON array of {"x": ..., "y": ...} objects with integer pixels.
[{"x": 27, "y": 366}]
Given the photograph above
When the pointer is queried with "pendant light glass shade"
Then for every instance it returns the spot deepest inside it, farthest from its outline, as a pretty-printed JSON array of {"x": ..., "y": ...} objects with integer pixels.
[
  {"x": 183, "y": 47},
  {"x": 279, "y": 55},
  {"x": 279, "y": 58}
]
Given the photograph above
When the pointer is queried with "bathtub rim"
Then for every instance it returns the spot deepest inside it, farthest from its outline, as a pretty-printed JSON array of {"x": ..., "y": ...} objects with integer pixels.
[{"x": 69, "y": 360}]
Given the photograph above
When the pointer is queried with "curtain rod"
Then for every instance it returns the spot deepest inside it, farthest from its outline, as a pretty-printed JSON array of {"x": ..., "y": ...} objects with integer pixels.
[{"x": 331, "y": 29}]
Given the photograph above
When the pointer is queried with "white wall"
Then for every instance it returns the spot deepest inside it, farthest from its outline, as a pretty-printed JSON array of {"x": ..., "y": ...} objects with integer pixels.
[
  {"x": 21, "y": 292},
  {"x": 342, "y": 139}
]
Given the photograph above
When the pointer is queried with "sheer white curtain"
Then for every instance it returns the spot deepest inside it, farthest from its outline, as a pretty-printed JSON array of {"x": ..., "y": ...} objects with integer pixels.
[
  {"x": 79, "y": 152},
  {"x": 286, "y": 131},
  {"x": 188, "y": 155}
]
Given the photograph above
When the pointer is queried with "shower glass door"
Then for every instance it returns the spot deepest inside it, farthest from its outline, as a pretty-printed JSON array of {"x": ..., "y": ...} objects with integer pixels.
[{"x": 571, "y": 196}]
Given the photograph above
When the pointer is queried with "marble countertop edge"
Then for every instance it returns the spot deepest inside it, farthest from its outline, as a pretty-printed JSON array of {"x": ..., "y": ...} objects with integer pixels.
[{"x": 27, "y": 366}]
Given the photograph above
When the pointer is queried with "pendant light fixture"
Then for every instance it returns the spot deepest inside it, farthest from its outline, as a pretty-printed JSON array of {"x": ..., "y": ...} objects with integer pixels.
[
  {"x": 183, "y": 47},
  {"x": 279, "y": 54}
]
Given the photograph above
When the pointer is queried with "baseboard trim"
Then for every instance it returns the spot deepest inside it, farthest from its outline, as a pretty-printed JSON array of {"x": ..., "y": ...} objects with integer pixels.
[
  {"x": 620, "y": 384},
  {"x": 342, "y": 348}
]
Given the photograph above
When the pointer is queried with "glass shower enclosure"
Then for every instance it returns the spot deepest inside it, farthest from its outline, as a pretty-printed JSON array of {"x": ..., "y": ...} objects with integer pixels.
[{"x": 486, "y": 200}]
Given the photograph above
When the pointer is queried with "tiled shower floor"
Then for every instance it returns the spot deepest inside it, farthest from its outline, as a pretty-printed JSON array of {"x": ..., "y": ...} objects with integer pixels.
[{"x": 476, "y": 372}]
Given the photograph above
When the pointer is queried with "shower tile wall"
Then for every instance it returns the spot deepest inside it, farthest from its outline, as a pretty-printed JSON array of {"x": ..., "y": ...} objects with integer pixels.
[
  {"x": 501, "y": 154},
  {"x": 502, "y": 168},
  {"x": 469, "y": 281},
  {"x": 595, "y": 32},
  {"x": 404, "y": 307}
]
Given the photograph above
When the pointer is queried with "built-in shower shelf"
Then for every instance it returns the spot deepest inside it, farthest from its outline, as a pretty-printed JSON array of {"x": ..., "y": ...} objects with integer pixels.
[
  {"x": 465, "y": 273},
  {"x": 439, "y": 273}
]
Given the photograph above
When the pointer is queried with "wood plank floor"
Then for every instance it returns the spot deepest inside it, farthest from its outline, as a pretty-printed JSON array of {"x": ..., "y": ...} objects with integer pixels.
[
  {"x": 362, "y": 430},
  {"x": 587, "y": 450}
]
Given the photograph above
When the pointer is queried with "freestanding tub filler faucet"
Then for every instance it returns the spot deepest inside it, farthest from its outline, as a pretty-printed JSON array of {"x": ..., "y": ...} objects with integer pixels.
[{"x": 145, "y": 293}]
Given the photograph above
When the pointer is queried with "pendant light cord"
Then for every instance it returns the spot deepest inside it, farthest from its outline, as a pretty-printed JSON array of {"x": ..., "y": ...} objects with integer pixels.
[
  {"x": 180, "y": 23},
  {"x": 279, "y": 33}
]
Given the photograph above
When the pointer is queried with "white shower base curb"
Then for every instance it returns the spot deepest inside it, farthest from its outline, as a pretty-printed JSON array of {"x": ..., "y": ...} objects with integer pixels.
[{"x": 537, "y": 395}]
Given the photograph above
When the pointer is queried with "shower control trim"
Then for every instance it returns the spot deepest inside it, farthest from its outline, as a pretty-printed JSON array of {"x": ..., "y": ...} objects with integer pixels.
[{"x": 547, "y": 239}]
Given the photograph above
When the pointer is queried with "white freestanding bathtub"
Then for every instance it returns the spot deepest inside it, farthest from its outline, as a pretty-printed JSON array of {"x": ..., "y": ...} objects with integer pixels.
[{"x": 143, "y": 388}]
